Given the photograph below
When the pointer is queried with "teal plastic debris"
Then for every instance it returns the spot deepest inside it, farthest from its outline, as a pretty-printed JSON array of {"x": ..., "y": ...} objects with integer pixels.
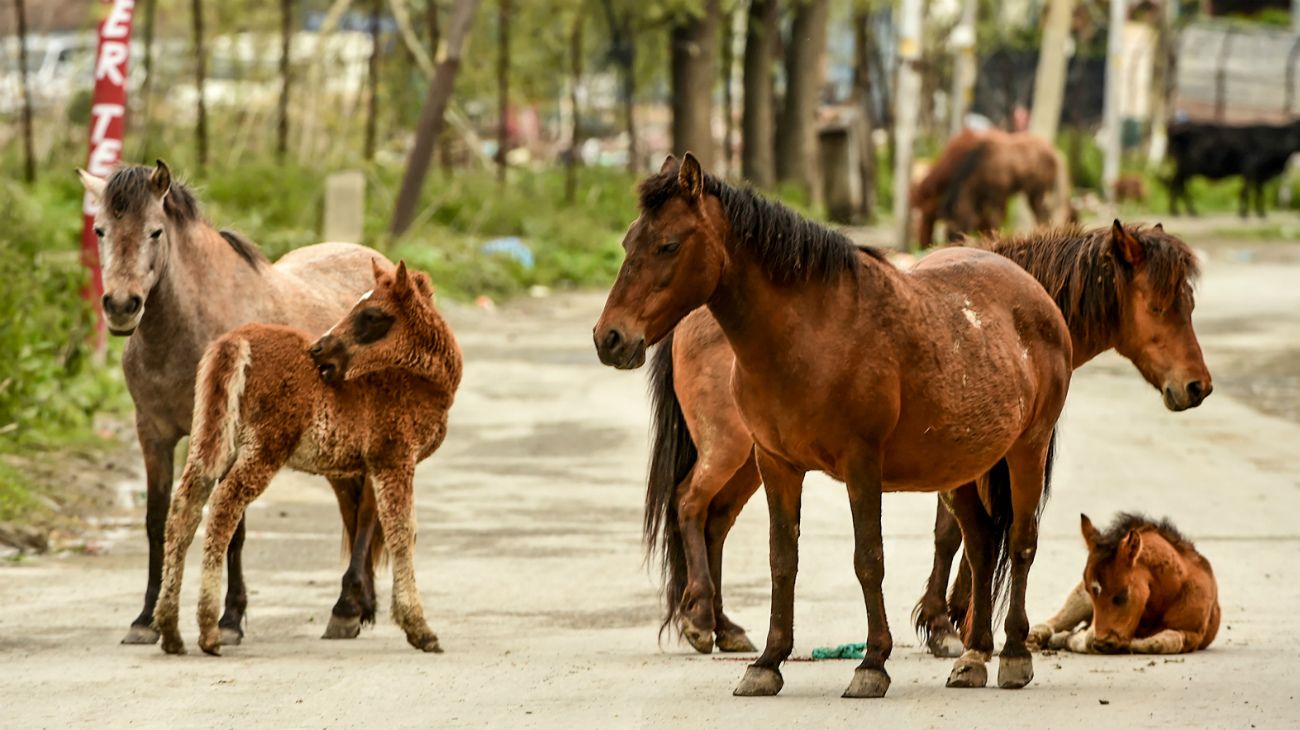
[{"x": 843, "y": 651}]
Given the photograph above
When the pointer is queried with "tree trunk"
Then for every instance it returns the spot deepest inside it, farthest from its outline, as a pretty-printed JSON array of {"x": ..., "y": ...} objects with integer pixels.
[
  {"x": 146, "y": 85},
  {"x": 431, "y": 116},
  {"x": 796, "y": 135},
  {"x": 286, "y": 41},
  {"x": 863, "y": 97},
  {"x": 1112, "y": 118},
  {"x": 622, "y": 52},
  {"x": 758, "y": 116},
  {"x": 964, "y": 68},
  {"x": 575, "y": 76},
  {"x": 372, "y": 101},
  {"x": 200, "y": 82},
  {"x": 29, "y": 156},
  {"x": 728, "y": 92},
  {"x": 1049, "y": 79},
  {"x": 694, "y": 51},
  {"x": 503, "y": 88},
  {"x": 906, "y": 105}
]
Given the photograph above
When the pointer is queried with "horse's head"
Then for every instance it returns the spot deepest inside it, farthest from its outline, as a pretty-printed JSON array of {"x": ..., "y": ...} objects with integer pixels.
[
  {"x": 674, "y": 260},
  {"x": 382, "y": 328},
  {"x": 132, "y": 224},
  {"x": 1155, "y": 328},
  {"x": 1117, "y": 585}
]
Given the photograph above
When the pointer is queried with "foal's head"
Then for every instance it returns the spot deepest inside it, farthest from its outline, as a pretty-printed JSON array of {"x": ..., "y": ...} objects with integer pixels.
[
  {"x": 1155, "y": 318},
  {"x": 383, "y": 329},
  {"x": 1117, "y": 580},
  {"x": 675, "y": 253},
  {"x": 138, "y": 210}
]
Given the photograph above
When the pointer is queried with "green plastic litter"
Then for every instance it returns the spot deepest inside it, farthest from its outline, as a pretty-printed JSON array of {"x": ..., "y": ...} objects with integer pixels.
[{"x": 843, "y": 651}]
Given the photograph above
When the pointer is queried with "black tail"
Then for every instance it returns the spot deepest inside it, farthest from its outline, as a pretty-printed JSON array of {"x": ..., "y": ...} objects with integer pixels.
[
  {"x": 967, "y": 167},
  {"x": 1000, "y": 500},
  {"x": 672, "y": 454}
]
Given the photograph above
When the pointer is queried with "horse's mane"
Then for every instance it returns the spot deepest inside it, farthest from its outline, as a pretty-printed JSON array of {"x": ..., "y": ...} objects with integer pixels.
[
  {"x": 786, "y": 245},
  {"x": 1125, "y": 522},
  {"x": 1076, "y": 267},
  {"x": 128, "y": 191}
]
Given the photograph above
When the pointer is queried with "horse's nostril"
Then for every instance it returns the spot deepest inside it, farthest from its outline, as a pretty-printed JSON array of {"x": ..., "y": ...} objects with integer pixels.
[
  {"x": 107, "y": 302},
  {"x": 133, "y": 305},
  {"x": 613, "y": 339},
  {"x": 1196, "y": 391}
]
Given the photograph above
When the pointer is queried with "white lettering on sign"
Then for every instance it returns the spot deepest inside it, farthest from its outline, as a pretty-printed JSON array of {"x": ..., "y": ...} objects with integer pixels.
[
  {"x": 112, "y": 62},
  {"x": 101, "y": 116},
  {"x": 119, "y": 18}
]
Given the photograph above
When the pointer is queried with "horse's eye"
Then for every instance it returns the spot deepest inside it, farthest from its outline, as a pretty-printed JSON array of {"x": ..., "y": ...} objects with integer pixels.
[
  {"x": 1120, "y": 598},
  {"x": 99, "y": 232},
  {"x": 156, "y": 234},
  {"x": 1157, "y": 311},
  {"x": 669, "y": 248}
]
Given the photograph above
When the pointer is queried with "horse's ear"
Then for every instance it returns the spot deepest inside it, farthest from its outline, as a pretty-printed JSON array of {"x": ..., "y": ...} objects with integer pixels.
[
  {"x": 160, "y": 180},
  {"x": 1126, "y": 246},
  {"x": 1131, "y": 547},
  {"x": 690, "y": 178},
  {"x": 401, "y": 280},
  {"x": 1090, "y": 533},
  {"x": 93, "y": 184},
  {"x": 669, "y": 163},
  {"x": 1158, "y": 228},
  {"x": 422, "y": 284},
  {"x": 376, "y": 269}
]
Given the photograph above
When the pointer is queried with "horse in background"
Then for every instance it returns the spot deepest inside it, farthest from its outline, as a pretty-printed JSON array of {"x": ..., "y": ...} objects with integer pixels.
[
  {"x": 367, "y": 401},
  {"x": 979, "y": 171},
  {"x": 1145, "y": 590},
  {"x": 173, "y": 284}
]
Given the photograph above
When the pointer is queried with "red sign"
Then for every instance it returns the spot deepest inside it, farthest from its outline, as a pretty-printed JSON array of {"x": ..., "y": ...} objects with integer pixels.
[{"x": 107, "y": 124}]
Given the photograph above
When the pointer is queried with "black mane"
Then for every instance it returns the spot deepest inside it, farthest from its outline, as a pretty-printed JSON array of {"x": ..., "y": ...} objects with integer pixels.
[
  {"x": 786, "y": 245},
  {"x": 1125, "y": 522}
]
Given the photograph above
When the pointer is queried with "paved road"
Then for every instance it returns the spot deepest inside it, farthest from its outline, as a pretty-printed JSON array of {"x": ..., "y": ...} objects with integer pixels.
[{"x": 530, "y": 566}]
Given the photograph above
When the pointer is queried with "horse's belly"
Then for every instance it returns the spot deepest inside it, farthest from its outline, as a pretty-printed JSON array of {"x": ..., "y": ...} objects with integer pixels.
[{"x": 322, "y": 450}]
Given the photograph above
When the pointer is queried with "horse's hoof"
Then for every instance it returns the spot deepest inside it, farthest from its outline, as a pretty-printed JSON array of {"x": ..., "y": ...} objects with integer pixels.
[
  {"x": 231, "y": 637},
  {"x": 341, "y": 627},
  {"x": 867, "y": 684},
  {"x": 425, "y": 642},
  {"x": 173, "y": 644},
  {"x": 701, "y": 641},
  {"x": 759, "y": 682},
  {"x": 212, "y": 648},
  {"x": 735, "y": 641},
  {"x": 1015, "y": 672},
  {"x": 138, "y": 634},
  {"x": 1039, "y": 638},
  {"x": 945, "y": 645},
  {"x": 969, "y": 671}
]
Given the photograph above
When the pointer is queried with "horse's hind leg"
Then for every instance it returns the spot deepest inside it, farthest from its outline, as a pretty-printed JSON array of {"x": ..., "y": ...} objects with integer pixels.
[
  {"x": 356, "y": 604},
  {"x": 784, "y": 486},
  {"x": 242, "y": 484},
  {"x": 864, "y": 486},
  {"x": 1027, "y": 464},
  {"x": 232, "y": 621},
  {"x": 394, "y": 495},
  {"x": 722, "y": 515},
  {"x": 979, "y": 537},
  {"x": 182, "y": 522},
  {"x": 931, "y": 613}
]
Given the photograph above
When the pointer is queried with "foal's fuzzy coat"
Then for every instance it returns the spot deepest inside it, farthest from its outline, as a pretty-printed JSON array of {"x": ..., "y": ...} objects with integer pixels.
[{"x": 368, "y": 399}]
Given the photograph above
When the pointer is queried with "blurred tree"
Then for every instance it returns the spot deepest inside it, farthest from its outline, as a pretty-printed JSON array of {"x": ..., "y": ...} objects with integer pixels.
[
  {"x": 29, "y": 158},
  {"x": 694, "y": 50},
  {"x": 372, "y": 105},
  {"x": 503, "y": 87},
  {"x": 862, "y": 96},
  {"x": 758, "y": 115},
  {"x": 796, "y": 134},
  {"x": 575, "y": 78},
  {"x": 286, "y": 45},
  {"x": 622, "y": 53},
  {"x": 1049, "y": 79},
  {"x": 146, "y": 85},
  {"x": 200, "y": 83}
]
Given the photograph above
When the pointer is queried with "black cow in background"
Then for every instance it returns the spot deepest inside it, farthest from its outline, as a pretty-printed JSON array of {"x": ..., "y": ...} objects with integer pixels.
[{"x": 1257, "y": 153}]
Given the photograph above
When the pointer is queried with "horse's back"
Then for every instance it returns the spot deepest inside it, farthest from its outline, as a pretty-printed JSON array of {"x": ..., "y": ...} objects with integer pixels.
[{"x": 320, "y": 282}]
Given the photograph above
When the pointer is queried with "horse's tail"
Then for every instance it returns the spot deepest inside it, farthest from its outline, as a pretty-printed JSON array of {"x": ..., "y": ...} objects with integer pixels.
[
  {"x": 219, "y": 388},
  {"x": 961, "y": 176},
  {"x": 999, "y": 502},
  {"x": 672, "y": 454}
]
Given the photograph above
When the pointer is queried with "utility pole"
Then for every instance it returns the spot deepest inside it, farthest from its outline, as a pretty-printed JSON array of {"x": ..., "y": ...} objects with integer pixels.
[
  {"x": 963, "y": 70},
  {"x": 1111, "y": 118},
  {"x": 1049, "y": 79},
  {"x": 1163, "y": 83},
  {"x": 906, "y": 107}
]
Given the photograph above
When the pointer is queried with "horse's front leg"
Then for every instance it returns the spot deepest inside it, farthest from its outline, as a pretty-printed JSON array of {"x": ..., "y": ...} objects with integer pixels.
[
  {"x": 864, "y": 487},
  {"x": 394, "y": 496},
  {"x": 159, "y": 454},
  {"x": 931, "y": 614},
  {"x": 1027, "y": 465},
  {"x": 1169, "y": 641},
  {"x": 783, "y": 483},
  {"x": 981, "y": 546}
]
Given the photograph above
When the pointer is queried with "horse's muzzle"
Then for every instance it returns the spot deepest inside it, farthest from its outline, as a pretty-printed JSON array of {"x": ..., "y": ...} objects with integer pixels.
[
  {"x": 619, "y": 350},
  {"x": 1190, "y": 395},
  {"x": 122, "y": 314},
  {"x": 330, "y": 356}
]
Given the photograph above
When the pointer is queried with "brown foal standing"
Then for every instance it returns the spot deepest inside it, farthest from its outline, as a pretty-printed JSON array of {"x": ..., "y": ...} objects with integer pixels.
[
  {"x": 884, "y": 380},
  {"x": 368, "y": 400},
  {"x": 1145, "y": 590},
  {"x": 173, "y": 284}
]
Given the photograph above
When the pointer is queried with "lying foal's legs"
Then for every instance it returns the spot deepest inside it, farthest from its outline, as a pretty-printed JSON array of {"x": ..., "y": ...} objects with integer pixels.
[
  {"x": 182, "y": 521},
  {"x": 394, "y": 503},
  {"x": 784, "y": 486},
  {"x": 356, "y": 604},
  {"x": 722, "y": 515},
  {"x": 1077, "y": 609},
  {"x": 931, "y": 614},
  {"x": 980, "y": 539}
]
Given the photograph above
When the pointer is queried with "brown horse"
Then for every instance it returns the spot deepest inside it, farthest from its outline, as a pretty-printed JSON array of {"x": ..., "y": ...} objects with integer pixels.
[
  {"x": 1145, "y": 590},
  {"x": 884, "y": 380},
  {"x": 979, "y": 171},
  {"x": 367, "y": 401},
  {"x": 173, "y": 283},
  {"x": 1120, "y": 287}
]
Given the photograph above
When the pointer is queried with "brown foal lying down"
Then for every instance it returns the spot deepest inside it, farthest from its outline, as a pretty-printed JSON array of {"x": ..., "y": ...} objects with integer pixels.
[
  {"x": 1145, "y": 590},
  {"x": 368, "y": 400}
]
